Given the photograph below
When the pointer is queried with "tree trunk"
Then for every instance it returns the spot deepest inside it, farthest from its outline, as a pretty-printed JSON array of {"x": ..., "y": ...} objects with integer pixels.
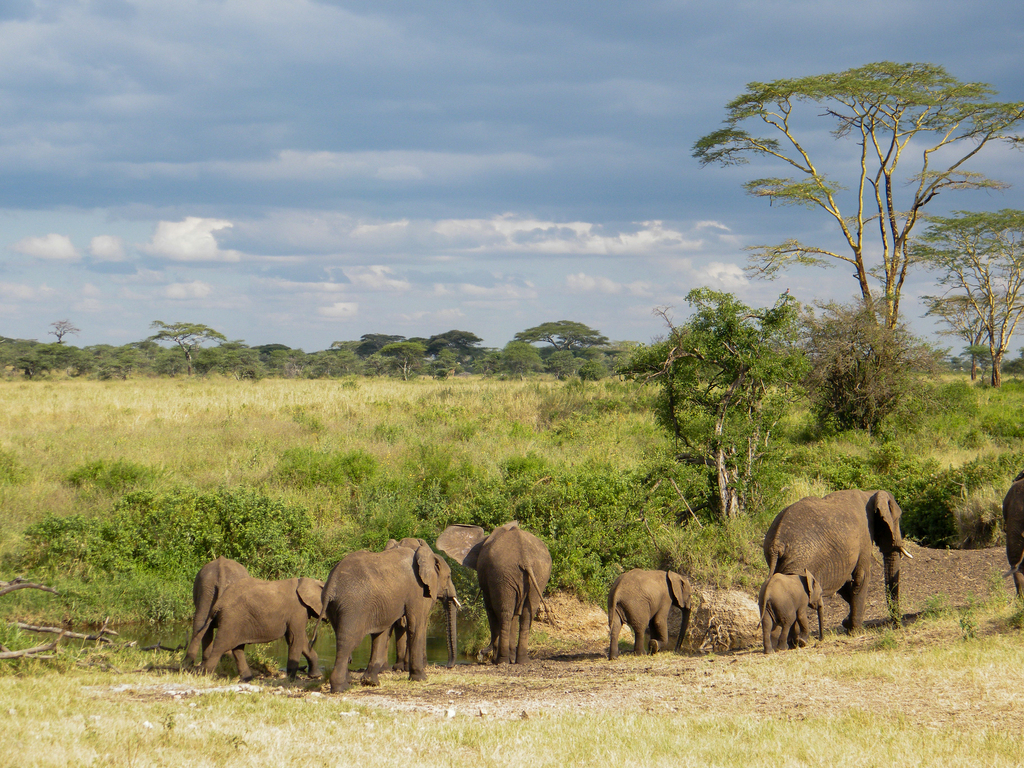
[{"x": 997, "y": 372}]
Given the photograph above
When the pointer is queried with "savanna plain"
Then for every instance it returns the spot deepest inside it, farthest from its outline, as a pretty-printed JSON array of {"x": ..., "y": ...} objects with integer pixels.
[{"x": 115, "y": 492}]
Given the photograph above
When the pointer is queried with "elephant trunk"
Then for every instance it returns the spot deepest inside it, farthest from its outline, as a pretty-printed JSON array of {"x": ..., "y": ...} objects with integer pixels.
[
  {"x": 821, "y": 625},
  {"x": 892, "y": 581},
  {"x": 451, "y": 608},
  {"x": 684, "y": 624}
]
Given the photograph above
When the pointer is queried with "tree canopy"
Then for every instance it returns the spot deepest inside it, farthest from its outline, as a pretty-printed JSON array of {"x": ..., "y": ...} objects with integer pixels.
[
  {"x": 563, "y": 334},
  {"x": 188, "y": 336},
  {"x": 980, "y": 259},
  {"x": 726, "y": 377},
  {"x": 888, "y": 111}
]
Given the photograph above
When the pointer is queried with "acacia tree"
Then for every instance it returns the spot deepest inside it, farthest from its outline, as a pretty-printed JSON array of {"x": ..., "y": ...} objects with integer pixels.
[
  {"x": 563, "y": 334},
  {"x": 188, "y": 336},
  {"x": 980, "y": 258},
  {"x": 727, "y": 377},
  {"x": 887, "y": 110},
  {"x": 62, "y": 328},
  {"x": 964, "y": 323},
  {"x": 406, "y": 356}
]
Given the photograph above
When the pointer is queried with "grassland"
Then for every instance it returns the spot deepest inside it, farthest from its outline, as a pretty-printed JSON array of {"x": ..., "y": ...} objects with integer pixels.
[{"x": 586, "y": 465}]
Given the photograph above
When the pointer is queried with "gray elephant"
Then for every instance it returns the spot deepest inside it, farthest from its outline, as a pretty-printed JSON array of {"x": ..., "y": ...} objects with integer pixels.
[
  {"x": 834, "y": 538},
  {"x": 642, "y": 599},
  {"x": 513, "y": 567},
  {"x": 257, "y": 611},
  {"x": 783, "y": 602},
  {"x": 1013, "y": 527},
  {"x": 367, "y": 593},
  {"x": 399, "y": 628},
  {"x": 209, "y": 583}
]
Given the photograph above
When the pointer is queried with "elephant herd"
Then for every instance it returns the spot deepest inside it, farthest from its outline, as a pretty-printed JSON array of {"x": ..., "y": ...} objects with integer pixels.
[
  {"x": 814, "y": 548},
  {"x": 376, "y": 594}
]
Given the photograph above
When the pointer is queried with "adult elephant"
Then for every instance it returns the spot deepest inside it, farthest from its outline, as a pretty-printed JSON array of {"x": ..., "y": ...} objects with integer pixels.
[
  {"x": 257, "y": 611},
  {"x": 367, "y": 593},
  {"x": 513, "y": 567},
  {"x": 1013, "y": 526},
  {"x": 209, "y": 583},
  {"x": 642, "y": 599},
  {"x": 833, "y": 538}
]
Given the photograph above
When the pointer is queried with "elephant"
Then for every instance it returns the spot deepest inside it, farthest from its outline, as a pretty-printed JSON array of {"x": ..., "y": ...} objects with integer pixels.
[
  {"x": 643, "y": 599},
  {"x": 399, "y": 628},
  {"x": 210, "y": 582},
  {"x": 367, "y": 593},
  {"x": 783, "y": 602},
  {"x": 1013, "y": 527},
  {"x": 513, "y": 567},
  {"x": 832, "y": 537},
  {"x": 257, "y": 611}
]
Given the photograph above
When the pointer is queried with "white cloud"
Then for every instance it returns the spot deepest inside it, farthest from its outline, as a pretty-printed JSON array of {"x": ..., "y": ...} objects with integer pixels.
[
  {"x": 584, "y": 283},
  {"x": 52, "y": 247},
  {"x": 339, "y": 310},
  {"x": 728, "y": 276},
  {"x": 107, "y": 248},
  {"x": 375, "y": 278},
  {"x": 197, "y": 289},
  {"x": 190, "y": 240},
  {"x": 17, "y": 291}
]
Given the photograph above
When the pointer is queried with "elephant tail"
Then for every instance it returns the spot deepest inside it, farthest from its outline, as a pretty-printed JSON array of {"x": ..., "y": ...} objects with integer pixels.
[
  {"x": 540, "y": 594},
  {"x": 773, "y": 563}
]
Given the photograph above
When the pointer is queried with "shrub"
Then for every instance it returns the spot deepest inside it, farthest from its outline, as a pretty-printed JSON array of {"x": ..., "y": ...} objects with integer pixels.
[
  {"x": 308, "y": 467},
  {"x": 862, "y": 373},
  {"x": 115, "y": 476},
  {"x": 156, "y": 542}
]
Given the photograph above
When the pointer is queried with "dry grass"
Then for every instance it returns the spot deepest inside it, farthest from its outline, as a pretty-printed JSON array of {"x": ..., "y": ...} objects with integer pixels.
[{"x": 922, "y": 695}]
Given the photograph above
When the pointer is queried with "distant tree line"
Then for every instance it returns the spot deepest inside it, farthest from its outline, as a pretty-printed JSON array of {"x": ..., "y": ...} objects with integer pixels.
[{"x": 566, "y": 349}]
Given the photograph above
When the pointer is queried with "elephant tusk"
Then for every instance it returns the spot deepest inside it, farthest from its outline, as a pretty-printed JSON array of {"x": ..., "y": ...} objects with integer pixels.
[
  {"x": 905, "y": 553},
  {"x": 458, "y": 605}
]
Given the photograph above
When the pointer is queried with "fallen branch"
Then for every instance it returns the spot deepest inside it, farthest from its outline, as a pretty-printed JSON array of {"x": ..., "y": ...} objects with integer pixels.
[
  {"x": 32, "y": 651},
  {"x": 20, "y": 583},
  {"x": 688, "y": 508},
  {"x": 98, "y": 637}
]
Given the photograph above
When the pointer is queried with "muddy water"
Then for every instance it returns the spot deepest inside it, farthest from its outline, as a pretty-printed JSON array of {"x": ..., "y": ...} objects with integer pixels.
[{"x": 178, "y": 635}]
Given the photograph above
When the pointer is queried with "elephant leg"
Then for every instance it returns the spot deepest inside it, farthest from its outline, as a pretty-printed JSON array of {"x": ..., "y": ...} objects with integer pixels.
[
  {"x": 858, "y": 596},
  {"x": 494, "y": 624},
  {"x": 784, "y": 633},
  {"x": 1018, "y": 581},
  {"x": 525, "y": 621},
  {"x": 766, "y": 633},
  {"x": 659, "y": 631},
  {"x": 243, "y": 666},
  {"x": 378, "y": 658},
  {"x": 312, "y": 661},
  {"x": 846, "y": 592},
  {"x": 401, "y": 647},
  {"x": 345, "y": 643},
  {"x": 614, "y": 628},
  {"x": 417, "y": 645},
  {"x": 802, "y": 630},
  {"x": 504, "y": 637}
]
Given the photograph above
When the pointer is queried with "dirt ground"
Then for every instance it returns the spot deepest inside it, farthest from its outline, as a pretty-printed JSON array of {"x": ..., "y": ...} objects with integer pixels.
[{"x": 569, "y": 670}]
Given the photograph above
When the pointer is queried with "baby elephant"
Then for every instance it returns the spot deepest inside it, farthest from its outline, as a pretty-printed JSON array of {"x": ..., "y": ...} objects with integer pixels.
[
  {"x": 642, "y": 600},
  {"x": 257, "y": 611},
  {"x": 783, "y": 602}
]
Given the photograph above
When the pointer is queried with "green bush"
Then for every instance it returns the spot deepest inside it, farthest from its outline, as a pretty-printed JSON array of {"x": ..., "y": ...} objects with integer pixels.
[
  {"x": 12, "y": 471},
  {"x": 308, "y": 467},
  {"x": 115, "y": 476},
  {"x": 155, "y": 543}
]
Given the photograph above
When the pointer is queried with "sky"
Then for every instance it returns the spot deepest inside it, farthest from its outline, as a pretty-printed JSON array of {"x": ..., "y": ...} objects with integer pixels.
[{"x": 300, "y": 173}]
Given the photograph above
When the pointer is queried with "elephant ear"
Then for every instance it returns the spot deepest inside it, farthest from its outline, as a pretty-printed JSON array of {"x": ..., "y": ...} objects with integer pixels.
[
  {"x": 462, "y": 543},
  {"x": 813, "y": 589},
  {"x": 885, "y": 508},
  {"x": 425, "y": 564},
  {"x": 390, "y": 545},
  {"x": 310, "y": 592},
  {"x": 680, "y": 589}
]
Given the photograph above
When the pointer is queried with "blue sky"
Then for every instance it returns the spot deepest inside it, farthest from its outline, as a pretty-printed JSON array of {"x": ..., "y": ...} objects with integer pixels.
[{"x": 305, "y": 172}]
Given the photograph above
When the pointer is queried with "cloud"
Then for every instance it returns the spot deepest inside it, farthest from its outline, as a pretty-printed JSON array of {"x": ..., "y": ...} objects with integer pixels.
[
  {"x": 375, "y": 278},
  {"x": 584, "y": 283},
  {"x": 197, "y": 289},
  {"x": 16, "y": 291},
  {"x": 190, "y": 240},
  {"x": 107, "y": 248},
  {"x": 52, "y": 247},
  {"x": 339, "y": 310},
  {"x": 728, "y": 276}
]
